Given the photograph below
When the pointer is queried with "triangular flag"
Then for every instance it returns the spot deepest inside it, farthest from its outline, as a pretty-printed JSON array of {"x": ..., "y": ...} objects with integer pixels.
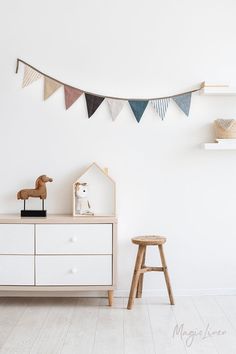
[
  {"x": 115, "y": 107},
  {"x": 93, "y": 102},
  {"x": 50, "y": 86},
  {"x": 30, "y": 75},
  {"x": 183, "y": 101},
  {"x": 161, "y": 105},
  {"x": 71, "y": 95},
  {"x": 138, "y": 107}
]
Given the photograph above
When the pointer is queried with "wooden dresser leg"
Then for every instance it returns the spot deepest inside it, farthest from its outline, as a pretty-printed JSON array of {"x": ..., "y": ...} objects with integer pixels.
[
  {"x": 110, "y": 297},
  {"x": 166, "y": 274},
  {"x": 140, "y": 282},
  {"x": 136, "y": 275}
]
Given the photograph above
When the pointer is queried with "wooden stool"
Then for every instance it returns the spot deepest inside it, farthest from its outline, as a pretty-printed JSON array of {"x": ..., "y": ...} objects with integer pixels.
[{"x": 140, "y": 268}]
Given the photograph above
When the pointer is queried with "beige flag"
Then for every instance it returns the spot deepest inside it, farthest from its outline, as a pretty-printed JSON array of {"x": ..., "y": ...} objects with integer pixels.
[
  {"x": 50, "y": 86},
  {"x": 30, "y": 75}
]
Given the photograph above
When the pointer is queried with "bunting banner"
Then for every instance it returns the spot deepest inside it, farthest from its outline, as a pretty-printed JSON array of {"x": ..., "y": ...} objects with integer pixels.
[
  {"x": 161, "y": 106},
  {"x": 138, "y": 108},
  {"x": 184, "y": 102},
  {"x": 115, "y": 107},
  {"x": 30, "y": 75},
  {"x": 50, "y": 86},
  {"x": 71, "y": 95},
  {"x": 93, "y": 101}
]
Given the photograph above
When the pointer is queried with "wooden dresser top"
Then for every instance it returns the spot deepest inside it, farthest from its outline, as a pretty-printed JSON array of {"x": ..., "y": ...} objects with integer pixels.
[{"x": 57, "y": 219}]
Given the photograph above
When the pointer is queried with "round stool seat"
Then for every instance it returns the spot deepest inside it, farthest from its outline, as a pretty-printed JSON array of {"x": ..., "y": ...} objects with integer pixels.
[{"x": 151, "y": 240}]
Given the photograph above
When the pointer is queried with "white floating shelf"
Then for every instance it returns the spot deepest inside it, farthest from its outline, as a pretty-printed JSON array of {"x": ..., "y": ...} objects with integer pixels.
[
  {"x": 218, "y": 91},
  {"x": 217, "y": 146}
]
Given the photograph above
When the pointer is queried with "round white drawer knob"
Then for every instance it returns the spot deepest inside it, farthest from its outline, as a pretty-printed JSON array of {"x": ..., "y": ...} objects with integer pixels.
[
  {"x": 74, "y": 270},
  {"x": 73, "y": 239}
]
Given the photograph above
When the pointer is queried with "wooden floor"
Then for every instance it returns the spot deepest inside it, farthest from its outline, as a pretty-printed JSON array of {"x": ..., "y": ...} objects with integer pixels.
[{"x": 84, "y": 326}]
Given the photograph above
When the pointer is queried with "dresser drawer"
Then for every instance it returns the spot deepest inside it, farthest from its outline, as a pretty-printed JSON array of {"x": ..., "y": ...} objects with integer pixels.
[
  {"x": 74, "y": 270},
  {"x": 16, "y": 270},
  {"x": 74, "y": 239},
  {"x": 16, "y": 239}
]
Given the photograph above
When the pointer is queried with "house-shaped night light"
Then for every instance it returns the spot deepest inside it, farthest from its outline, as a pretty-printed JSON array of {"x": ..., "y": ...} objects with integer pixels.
[{"x": 101, "y": 191}]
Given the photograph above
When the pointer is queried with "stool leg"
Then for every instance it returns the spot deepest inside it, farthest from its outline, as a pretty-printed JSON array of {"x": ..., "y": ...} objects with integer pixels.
[
  {"x": 110, "y": 297},
  {"x": 140, "y": 282},
  {"x": 166, "y": 274},
  {"x": 136, "y": 275}
]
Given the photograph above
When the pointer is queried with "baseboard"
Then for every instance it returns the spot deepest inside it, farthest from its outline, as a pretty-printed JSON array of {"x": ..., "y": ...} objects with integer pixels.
[
  {"x": 120, "y": 293},
  {"x": 180, "y": 292},
  {"x": 6, "y": 293}
]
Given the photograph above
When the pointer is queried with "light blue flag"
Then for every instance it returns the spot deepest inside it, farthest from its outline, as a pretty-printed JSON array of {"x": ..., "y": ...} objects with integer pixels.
[
  {"x": 161, "y": 105},
  {"x": 138, "y": 107},
  {"x": 184, "y": 102}
]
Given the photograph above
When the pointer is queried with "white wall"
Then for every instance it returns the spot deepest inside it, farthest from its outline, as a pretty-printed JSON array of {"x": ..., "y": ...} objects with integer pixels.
[{"x": 165, "y": 183}]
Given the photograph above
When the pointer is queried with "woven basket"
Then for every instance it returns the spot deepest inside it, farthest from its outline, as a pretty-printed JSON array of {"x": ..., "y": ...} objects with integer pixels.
[{"x": 225, "y": 128}]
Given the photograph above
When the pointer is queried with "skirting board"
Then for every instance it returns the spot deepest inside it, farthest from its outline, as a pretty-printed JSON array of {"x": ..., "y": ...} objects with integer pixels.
[
  {"x": 180, "y": 292},
  {"x": 120, "y": 293}
]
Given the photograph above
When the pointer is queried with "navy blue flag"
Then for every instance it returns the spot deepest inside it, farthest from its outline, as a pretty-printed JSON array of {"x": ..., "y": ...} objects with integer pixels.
[
  {"x": 138, "y": 107},
  {"x": 184, "y": 102},
  {"x": 93, "y": 102}
]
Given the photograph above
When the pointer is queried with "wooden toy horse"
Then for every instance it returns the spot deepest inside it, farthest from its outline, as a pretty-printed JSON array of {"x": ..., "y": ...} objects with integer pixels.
[{"x": 40, "y": 190}]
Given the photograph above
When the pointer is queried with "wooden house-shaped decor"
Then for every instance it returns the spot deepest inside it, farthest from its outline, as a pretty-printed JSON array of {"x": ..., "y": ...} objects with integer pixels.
[{"x": 99, "y": 190}]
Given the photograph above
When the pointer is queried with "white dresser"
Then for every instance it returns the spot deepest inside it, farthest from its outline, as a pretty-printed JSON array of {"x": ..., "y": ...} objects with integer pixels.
[{"x": 59, "y": 253}]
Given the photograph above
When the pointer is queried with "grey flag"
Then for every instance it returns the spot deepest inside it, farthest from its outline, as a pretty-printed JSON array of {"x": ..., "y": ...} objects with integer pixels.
[{"x": 184, "y": 102}]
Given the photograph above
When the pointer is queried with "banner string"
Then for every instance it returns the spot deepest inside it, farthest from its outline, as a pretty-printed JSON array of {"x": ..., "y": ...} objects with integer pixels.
[{"x": 94, "y": 94}]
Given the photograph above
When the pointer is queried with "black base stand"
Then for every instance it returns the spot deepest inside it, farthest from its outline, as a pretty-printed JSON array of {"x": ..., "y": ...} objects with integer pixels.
[{"x": 33, "y": 213}]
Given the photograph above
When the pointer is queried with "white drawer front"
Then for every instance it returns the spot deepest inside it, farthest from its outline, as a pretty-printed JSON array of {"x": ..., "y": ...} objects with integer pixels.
[
  {"x": 16, "y": 270},
  {"x": 16, "y": 239},
  {"x": 74, "y": 270},
  {"x": 74, "y": 239}
]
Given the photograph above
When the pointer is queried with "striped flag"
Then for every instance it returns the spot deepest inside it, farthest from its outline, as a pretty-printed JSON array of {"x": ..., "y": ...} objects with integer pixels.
[
  {"x": 30, "y": 75},
  {"x": 161, "y": 106}
]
